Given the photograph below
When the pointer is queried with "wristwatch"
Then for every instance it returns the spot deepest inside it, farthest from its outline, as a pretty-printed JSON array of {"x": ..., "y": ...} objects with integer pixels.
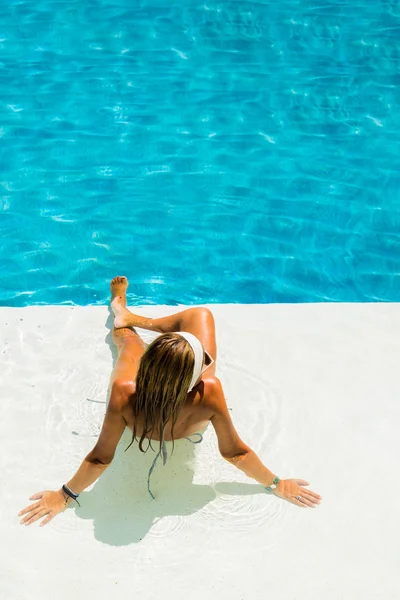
[{"x": 273, "y": 485}]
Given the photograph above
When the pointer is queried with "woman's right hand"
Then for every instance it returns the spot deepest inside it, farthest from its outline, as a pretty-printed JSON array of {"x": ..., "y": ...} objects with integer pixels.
[
  {"x": 50, "y": 504},
  {"x": 292, "y": 489}
]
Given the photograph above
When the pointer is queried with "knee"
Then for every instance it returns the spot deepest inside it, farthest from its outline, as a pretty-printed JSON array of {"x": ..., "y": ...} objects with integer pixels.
[
  {"x": 204, "y": 313},
  {"x": 123, "y": 332}
]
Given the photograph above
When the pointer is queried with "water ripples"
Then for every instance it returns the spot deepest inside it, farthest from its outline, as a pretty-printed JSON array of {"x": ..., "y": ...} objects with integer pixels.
[
  {"x": 255, "y": 410},
  {"x": 169, "y": 527},
  {"x": 225, "y": 134},
  {"x": 240, "y": 514}
]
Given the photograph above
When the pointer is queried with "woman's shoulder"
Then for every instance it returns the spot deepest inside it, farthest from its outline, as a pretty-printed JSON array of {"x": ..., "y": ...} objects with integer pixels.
[
  {"x": 122, "y": 391},
  {"x": 213, "y": 395}
]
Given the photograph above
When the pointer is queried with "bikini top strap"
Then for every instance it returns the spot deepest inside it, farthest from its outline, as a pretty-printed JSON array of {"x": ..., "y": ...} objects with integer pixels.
[
  {"x": 163, "y": 452},
  {"x": 194, "y": 441}
]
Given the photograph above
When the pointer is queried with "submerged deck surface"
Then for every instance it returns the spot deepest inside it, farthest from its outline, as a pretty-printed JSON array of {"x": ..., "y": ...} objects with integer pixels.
[{"x": 313, "y": 389}]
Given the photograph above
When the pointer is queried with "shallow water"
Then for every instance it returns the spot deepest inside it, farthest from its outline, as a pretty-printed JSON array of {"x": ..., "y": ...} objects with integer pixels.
[
  {"x": 214, "y": 152},
  {"x": 302, "y": 383},
  {"x": 63, "y": 400}
]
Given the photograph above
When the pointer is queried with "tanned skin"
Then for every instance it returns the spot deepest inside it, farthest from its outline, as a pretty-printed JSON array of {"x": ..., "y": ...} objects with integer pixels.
[{"x": 204, "y": 404}]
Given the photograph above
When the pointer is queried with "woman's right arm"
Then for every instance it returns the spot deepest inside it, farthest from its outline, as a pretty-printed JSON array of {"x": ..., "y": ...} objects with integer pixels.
[
  {"x": 50, "y": 502},
  {"x": 235, "y": 451}
]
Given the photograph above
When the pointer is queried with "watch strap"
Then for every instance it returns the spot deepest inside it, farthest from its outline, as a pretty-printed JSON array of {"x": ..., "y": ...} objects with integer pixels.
[{"x": 273, "y": 485}]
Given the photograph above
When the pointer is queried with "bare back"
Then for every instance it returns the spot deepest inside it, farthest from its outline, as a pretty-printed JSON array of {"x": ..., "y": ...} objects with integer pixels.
[
  {"x": 194, "y": 416},
  {"x": 205, "y": 403},
  {"x": 196, "y": 412}
]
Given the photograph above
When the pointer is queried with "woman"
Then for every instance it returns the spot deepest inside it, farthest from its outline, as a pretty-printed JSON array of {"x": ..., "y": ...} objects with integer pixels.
[{"x": 165, "y": 392}]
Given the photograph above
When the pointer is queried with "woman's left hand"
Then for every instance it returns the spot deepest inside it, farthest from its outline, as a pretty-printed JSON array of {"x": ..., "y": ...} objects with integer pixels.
[
  {"x": 293, "y": 491},
  {"x": 50, "y": 504}
]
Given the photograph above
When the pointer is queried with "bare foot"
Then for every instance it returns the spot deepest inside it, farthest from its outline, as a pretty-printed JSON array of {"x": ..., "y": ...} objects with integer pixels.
[{"x": 118, "y": 288}]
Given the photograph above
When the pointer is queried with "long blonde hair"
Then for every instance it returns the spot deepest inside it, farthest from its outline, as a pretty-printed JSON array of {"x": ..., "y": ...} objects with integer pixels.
[{"x": 162, "y": 384}]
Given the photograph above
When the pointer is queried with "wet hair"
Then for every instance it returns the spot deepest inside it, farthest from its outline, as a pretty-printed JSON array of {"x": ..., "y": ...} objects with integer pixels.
[{"x": 162, "y": 384}]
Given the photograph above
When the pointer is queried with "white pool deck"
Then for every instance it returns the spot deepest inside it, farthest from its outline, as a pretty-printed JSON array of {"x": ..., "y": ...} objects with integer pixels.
[{"x": 314, "y": 389}]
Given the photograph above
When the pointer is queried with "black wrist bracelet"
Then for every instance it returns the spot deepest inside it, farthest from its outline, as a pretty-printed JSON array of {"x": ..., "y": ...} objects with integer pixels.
[{"x": 70, "y": 493}]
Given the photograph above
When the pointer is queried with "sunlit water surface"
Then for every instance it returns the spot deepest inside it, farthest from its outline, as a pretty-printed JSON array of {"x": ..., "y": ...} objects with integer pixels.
[{"x": 214, "y": 152}]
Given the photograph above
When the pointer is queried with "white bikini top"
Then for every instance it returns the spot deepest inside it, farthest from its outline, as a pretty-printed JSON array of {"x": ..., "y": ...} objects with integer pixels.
[{"x": 198, "y": 355}]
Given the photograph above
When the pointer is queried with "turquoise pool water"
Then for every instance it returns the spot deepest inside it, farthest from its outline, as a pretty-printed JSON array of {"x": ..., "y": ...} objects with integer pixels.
[{"x": 213, "y": 152}]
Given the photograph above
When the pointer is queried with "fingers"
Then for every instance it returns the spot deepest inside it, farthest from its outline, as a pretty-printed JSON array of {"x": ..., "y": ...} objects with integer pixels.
[
  {"x": 36, "y": 496},
  {"x": 305, "y": 502},
  {"x": 310, "y": 497},
  {"x": 46, "y": 520},
  {"x": 298, "y": 503},
  {"x": 28, "y": 509},
  {"x": 313, "y": 494},
  {"x": 35, "y": 516},
  {"x": 303, "y": 482}
]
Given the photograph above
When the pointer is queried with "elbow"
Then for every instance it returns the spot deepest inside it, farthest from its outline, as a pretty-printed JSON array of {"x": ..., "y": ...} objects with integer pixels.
[
  {"x": 99, "y": 461},
  {"x": 236, "y": 459},
  {"x": 236, "y": 453}
]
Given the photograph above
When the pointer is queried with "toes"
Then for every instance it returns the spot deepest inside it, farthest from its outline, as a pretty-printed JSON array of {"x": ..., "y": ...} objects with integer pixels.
[{"x": 120, "y": 280}]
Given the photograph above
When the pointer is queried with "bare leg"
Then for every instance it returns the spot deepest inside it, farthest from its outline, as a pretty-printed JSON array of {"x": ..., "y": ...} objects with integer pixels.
[
  {"x": 198, "y": 320},
  {"x": 123, "y": 316},
  {"x": 130, "y": 346}
]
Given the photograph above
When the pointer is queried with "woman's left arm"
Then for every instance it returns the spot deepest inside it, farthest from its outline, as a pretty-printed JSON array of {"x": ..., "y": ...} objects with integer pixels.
[
  {"x": 235, "y": 451},
  {"x": 51, "y": 502}
]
